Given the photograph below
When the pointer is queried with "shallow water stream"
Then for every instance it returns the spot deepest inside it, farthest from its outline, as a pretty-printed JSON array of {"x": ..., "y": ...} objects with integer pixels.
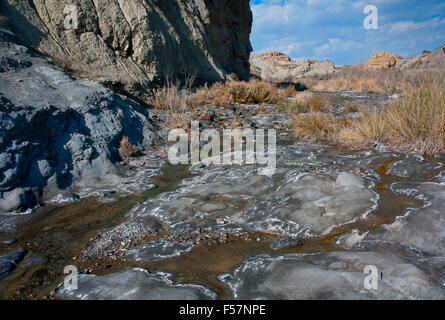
[{"x": 62, "y": 233}]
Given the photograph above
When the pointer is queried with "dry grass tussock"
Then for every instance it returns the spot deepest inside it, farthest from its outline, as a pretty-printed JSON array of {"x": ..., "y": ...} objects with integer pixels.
[
  {"x": 3, "y": 19},
  {"x": 180, "y": 102},
  {"x": 306, "y": 102},
  {"x": 414, "y": 124},
  {"x": 360, "y": 78},
  {"x": 127, "y": 149},
  {"x": 220, "y": 94}
]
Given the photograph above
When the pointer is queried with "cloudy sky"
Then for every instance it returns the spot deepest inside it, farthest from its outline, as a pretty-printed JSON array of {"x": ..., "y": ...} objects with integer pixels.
[{"x": 333, "y": 29}]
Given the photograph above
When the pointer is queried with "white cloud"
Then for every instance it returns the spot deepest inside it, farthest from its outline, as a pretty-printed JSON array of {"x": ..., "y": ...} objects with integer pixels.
[
  {"x": 321, "y": 29},
  {"x": 406, "y": 26}
]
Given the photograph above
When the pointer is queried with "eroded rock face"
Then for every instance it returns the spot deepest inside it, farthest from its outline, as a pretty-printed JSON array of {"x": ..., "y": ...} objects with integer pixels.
[
  {"x": 138, "y": 42},
  {"x": 277, "y": 67},
  {"x": 58, "y": 134}
]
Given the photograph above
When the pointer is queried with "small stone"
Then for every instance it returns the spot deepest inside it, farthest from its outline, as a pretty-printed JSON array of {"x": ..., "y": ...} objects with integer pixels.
[
  {"x": 338, "y": 265},
  {"x": 9, "y": 241}
]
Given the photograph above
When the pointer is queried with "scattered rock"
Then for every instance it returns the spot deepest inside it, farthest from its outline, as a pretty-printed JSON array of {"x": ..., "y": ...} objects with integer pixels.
[{"x": 118, "y": 41}]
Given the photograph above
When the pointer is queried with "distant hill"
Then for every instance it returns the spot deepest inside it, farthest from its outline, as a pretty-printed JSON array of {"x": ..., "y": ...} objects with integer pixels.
[
  {"x": 277, "y": 67},
  {"x": 426, "y": 60}
]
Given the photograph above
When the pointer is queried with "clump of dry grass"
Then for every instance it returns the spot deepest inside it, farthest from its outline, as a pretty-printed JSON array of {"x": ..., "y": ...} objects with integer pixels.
[
  {"x": 311, "y": 103},
  {"x": 414, "y": 124},
  {"x": 318, "y": 126},
  {"x": 220, "y": 94},
  {"x": 253, "y": 92},
  {"x": 305, "y": 102},
  {"x": 127, "y": 149},
  {"x": 360, "y": 78},
  {"x": 3, "y": 19}
]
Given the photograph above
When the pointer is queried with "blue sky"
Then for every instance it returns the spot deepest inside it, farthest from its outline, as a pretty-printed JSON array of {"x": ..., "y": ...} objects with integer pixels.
[{"x": 333, "y": 29}]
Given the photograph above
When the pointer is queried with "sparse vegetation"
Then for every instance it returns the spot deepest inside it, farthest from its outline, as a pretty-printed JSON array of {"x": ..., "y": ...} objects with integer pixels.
[
  {"x": 311, "y": 103},
  {"x": 127, "y": 149},
  {"x": 360, "y": 78},
  {"x": 3, "y": 19},
  {"x": 414, "y": 124}
]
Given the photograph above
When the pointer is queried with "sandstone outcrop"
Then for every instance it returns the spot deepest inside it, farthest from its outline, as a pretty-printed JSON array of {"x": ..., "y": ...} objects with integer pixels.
[
  {"x": 383, "y": 60},
  {"x": 426, "y": 60},
  {"x": 277, "y": 67},
  {"x": 139, "y": 43},
  {"x": 58, "y": 134}
]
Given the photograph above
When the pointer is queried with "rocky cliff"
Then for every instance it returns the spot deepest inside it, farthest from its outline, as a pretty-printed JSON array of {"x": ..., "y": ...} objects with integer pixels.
[
  {"x": 138, "y": 42},
  {"x": 277, "y": 67},
  {"x": 59, "y": 135}
]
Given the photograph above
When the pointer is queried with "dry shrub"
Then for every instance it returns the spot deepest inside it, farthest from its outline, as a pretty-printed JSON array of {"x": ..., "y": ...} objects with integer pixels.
[
  {"x": 418, "y": 121},
  {"x": 414, "y": 124},
  {"x": 3, "y": 19},
  {"x": 360, "y": 78},
  {"x": 287, "y": 92},
  {"x": 181, "y": 120},
  {"x": 306, "y": 102},
  {"x": 359, "y": 84},
  {"x": 128, "y": 150},
  {"x": 200, "y": 97},
  {"x": 224, "y": 94},
  {"x": 170, "y": 98},
  {"x": 63, "y": 62},
  {"x": 317, "y": 126},
  {"x": 262, "y": 92},
  {"x": 221, "y": 94},
  {"x": 370, "y": 129}
]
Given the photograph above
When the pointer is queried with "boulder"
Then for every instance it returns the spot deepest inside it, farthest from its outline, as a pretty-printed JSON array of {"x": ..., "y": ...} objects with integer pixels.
[
  {"x": 383, "y": 60},
  {"x": 139, "y": 43}
]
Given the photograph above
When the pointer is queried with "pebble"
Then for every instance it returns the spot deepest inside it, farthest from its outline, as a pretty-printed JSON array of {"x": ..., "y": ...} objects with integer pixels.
[{"x": 8, "y": 241}]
